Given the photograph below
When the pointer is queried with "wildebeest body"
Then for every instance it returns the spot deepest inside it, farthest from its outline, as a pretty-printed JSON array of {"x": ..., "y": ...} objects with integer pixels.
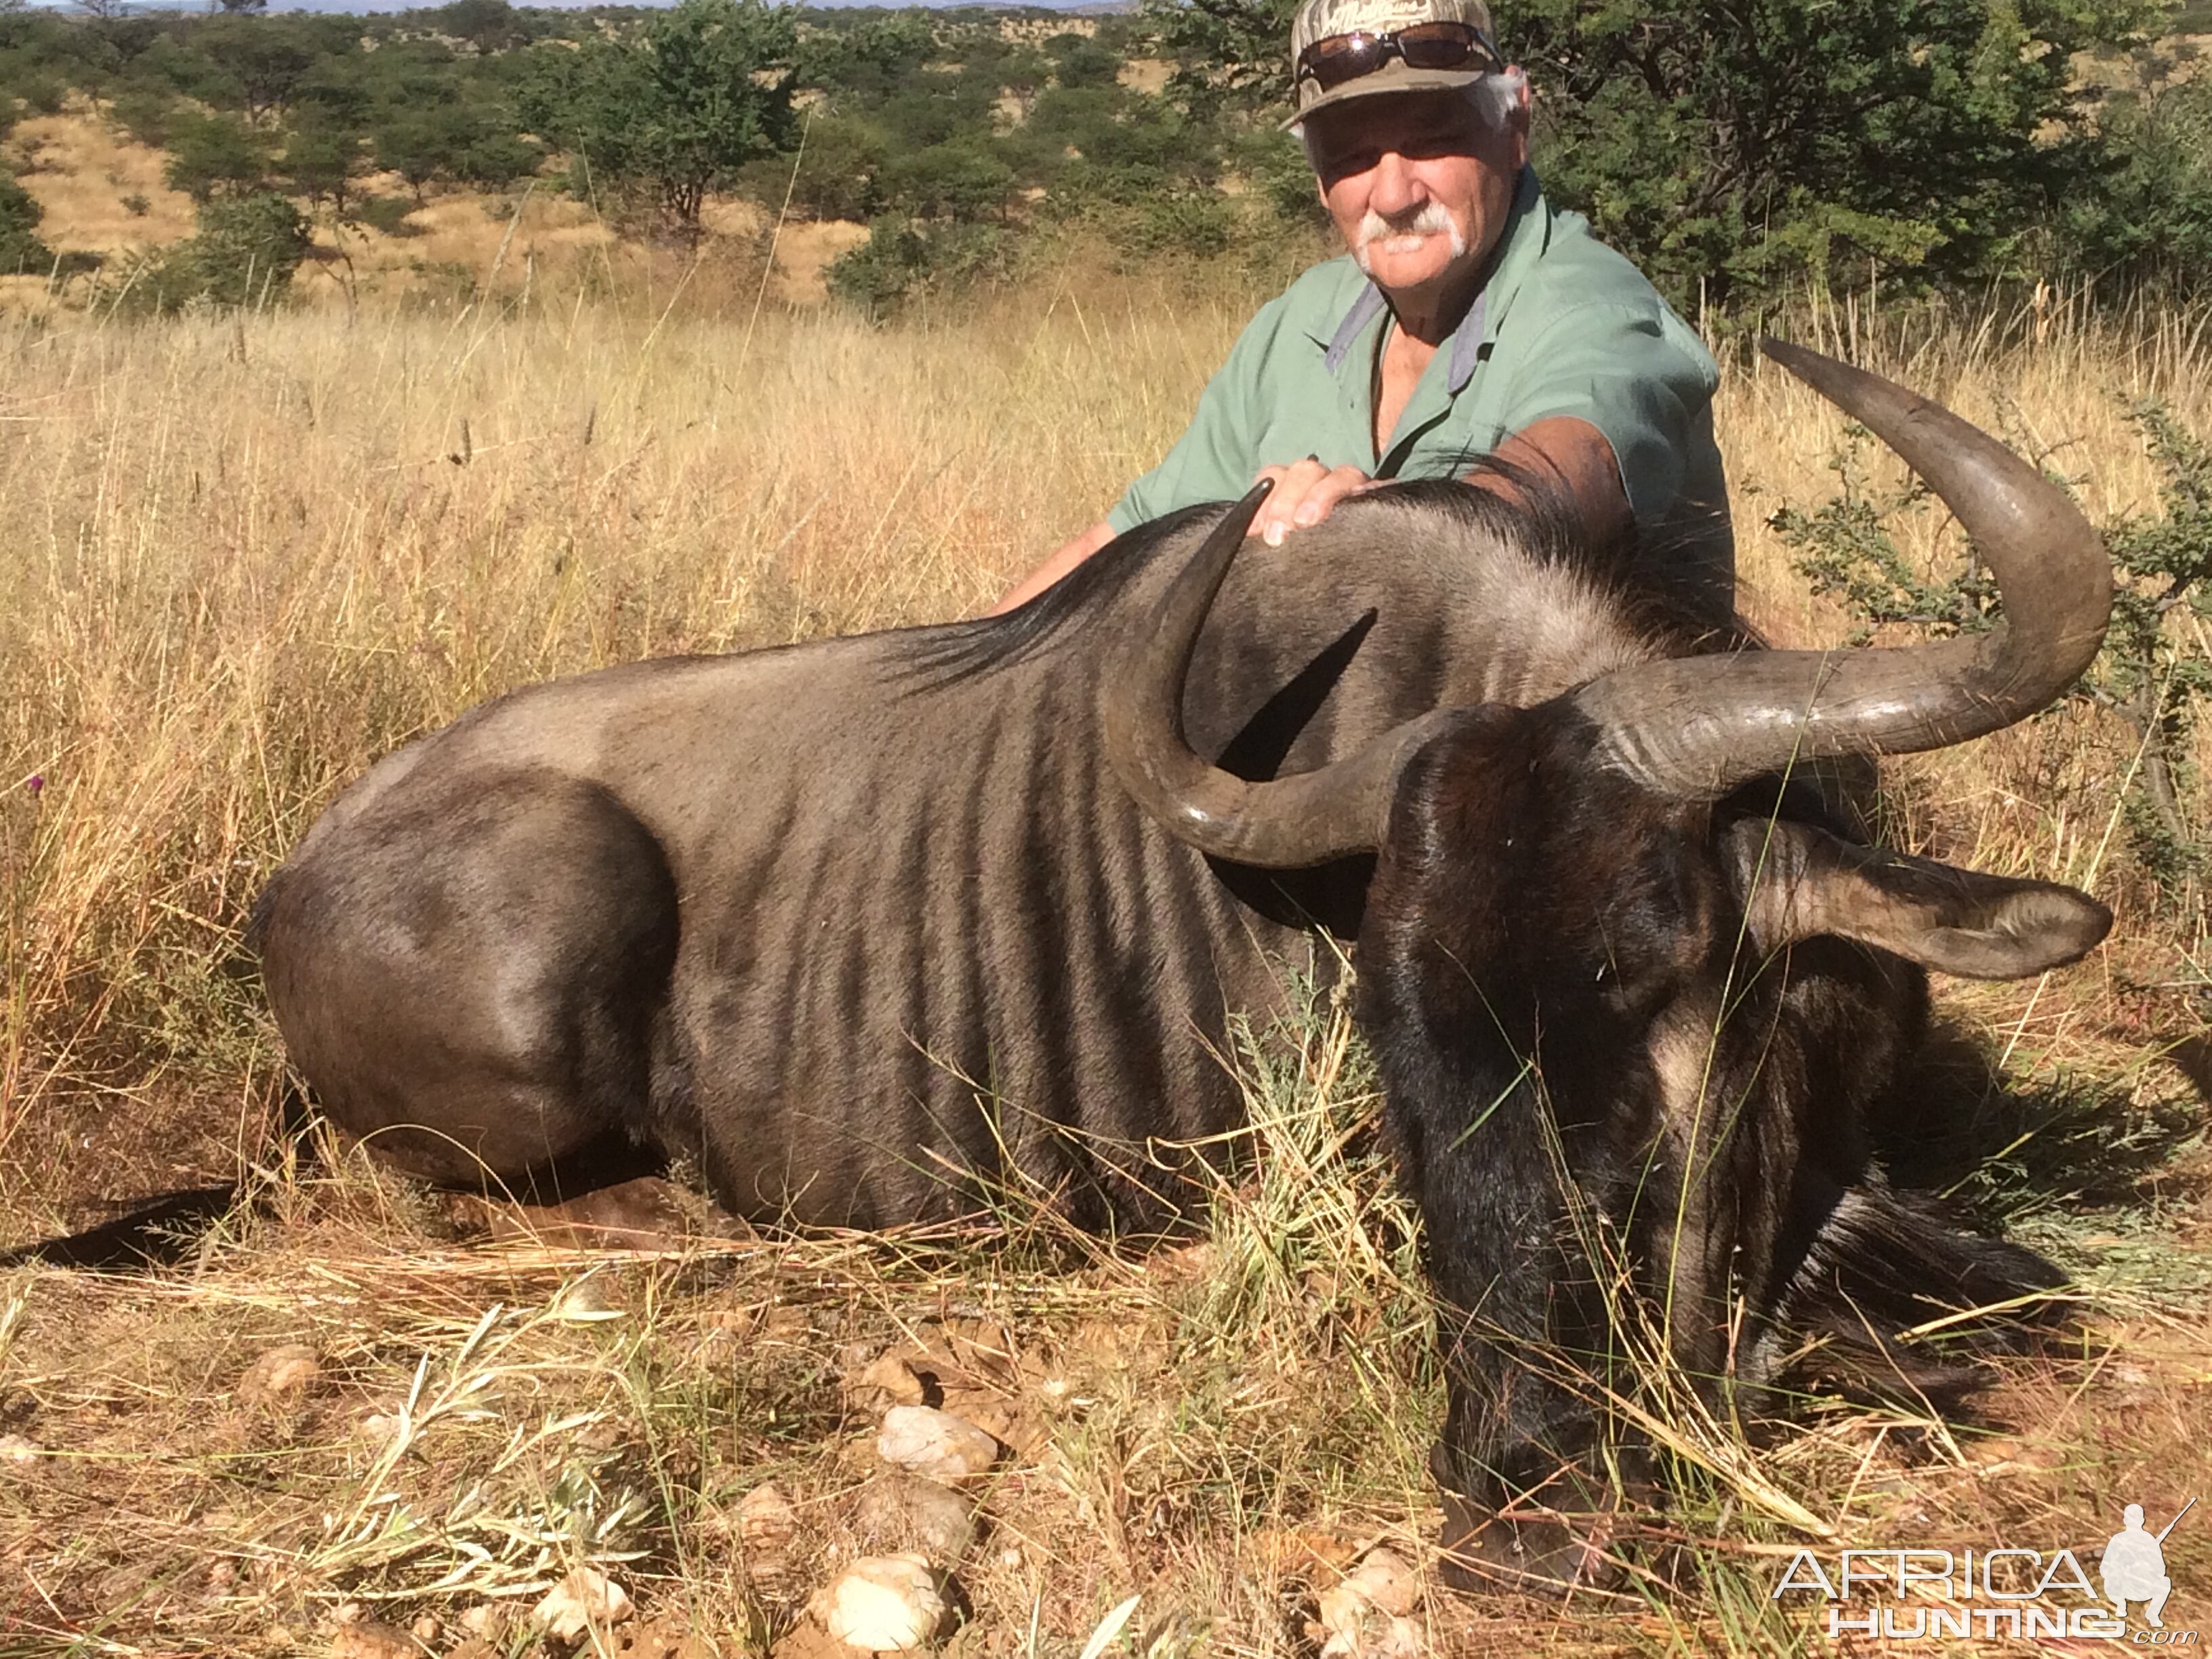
[{"x": 844, "y": 919}]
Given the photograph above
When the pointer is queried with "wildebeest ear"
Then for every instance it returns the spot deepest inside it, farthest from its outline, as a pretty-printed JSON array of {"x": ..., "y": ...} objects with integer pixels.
[{"x": 1799, "y": 881}]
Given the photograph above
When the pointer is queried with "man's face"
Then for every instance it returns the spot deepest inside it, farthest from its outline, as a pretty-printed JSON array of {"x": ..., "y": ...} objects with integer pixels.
[{"x": 1418, "y": 185}]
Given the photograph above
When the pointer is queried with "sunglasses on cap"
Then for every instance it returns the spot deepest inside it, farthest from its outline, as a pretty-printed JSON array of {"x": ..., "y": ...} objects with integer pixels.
[{"x": 1440, "y": 46}]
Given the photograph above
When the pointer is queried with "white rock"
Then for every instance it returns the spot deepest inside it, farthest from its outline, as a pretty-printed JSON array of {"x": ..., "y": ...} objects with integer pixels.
[
  {"x": 14, "y": 1449},
  {"x": 585, "y": 1598},
  {"x": 1363, "y": 1617},
  {"x": 1387, "y": 1580},
  {"x": 934, "y": 1445},
  {"x": 378, "y": 1427},
  {"x": 882, "y": 1604},
  {"x": 905, "y": 1509}
]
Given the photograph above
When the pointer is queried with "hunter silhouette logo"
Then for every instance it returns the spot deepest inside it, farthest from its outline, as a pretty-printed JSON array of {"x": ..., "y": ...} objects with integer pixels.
[{"x": 2134, "y": 1565}]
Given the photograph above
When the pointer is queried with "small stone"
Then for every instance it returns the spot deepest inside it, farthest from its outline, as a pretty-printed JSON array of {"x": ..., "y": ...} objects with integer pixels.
[
  {"x": 1363, "y": 1617},
  {"x": 368, "y": 1638},
  {"x": 378, "y": 1427},
  {"x": 584, "y": 1599},
  {"x": 14, "y": 1449},
  {"x": 424, "y": 1629},
  {"x": 280, "y": 1373},
  {"x": 346, "y": 1613},
  {"x": 905, "y": 1510},
  {"x": 934, "y": 1445},
  {"x": 882, "y": 1604},
  {"x": 1387, "y": 1580},
  {"x": 765, "y": 1524},
  {"x": 884, "y": 1380},
  {"x": 766, "y": 1519},
  {"x": 490, "y": 1620}
]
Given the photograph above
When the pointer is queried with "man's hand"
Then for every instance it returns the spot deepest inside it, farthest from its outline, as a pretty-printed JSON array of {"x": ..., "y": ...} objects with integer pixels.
[{"x": 1305, "y": 493}]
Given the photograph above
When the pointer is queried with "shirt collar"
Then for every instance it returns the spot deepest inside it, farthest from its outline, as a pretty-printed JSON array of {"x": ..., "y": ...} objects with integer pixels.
[{"x": 1528, "y": 230}]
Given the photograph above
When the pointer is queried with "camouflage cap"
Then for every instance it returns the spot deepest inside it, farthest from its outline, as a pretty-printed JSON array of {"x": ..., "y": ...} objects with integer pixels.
[{"x": 1321, "y": 19}]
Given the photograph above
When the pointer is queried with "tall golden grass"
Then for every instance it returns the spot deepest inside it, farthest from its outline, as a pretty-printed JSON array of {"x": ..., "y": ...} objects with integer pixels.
[{"x": 244, "y": 555}]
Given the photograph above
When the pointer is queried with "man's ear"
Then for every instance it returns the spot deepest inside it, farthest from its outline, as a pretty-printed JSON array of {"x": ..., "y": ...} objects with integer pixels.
[
  {"x": 1798, "y": 882},
  {"x": 1523, "y": 104}
]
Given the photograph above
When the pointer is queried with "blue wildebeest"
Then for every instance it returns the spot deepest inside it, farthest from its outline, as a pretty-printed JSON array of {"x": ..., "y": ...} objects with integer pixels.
[{"x": 867, "y": 924}]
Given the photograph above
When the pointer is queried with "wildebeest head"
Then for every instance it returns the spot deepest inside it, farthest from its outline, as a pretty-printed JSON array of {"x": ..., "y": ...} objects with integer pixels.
[{"x": 1614, "y": 961}]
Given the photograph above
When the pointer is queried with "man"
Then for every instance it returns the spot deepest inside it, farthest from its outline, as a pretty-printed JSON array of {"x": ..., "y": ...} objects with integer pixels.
[{"x": 1469, "y": 319}]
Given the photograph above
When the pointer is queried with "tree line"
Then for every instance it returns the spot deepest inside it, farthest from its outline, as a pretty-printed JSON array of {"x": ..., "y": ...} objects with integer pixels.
[{"x": 1737, "y": 151}]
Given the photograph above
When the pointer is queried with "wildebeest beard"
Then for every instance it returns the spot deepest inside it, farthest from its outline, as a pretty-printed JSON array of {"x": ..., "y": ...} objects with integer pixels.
[{"x": 1638, "y": 1138}]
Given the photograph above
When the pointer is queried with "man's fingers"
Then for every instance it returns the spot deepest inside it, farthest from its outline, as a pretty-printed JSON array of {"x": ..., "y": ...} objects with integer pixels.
[
  {"x": 1278, "y": 512},
  {"x": 1328, "y": 489},
  {"x": 1305, "y": 493}
]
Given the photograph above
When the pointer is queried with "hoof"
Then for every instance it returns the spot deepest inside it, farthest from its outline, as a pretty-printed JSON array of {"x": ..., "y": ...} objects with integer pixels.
[
  {"x": 1535, "y": 1554},
  {"x": 1525, "y": 1548}
]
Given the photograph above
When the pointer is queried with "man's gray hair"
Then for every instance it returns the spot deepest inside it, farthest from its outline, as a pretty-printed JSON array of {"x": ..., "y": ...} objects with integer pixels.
[
  {"x": 1493, "y": 101},
  {"x": 1497, "y": 96}
]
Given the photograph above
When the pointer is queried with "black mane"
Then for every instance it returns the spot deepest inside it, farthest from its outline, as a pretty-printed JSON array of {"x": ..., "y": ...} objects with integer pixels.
[{"x": 1539, "y": 519}]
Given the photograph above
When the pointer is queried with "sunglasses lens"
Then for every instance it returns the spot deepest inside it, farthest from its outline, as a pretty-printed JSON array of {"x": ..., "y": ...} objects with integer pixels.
[
  {"x": 1438, "y": 46},
  {"x": 1343, "y": 57}
]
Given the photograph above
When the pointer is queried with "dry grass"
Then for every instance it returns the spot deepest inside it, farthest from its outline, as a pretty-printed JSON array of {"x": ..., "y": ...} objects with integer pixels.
[
  {"x": 83, "y": 172},
  {"x": 246, "y": 555}
]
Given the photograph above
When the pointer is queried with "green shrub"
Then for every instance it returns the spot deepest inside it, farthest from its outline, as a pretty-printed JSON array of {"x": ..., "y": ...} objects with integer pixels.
[
  {"x": 21, "y": 249},
  {"x": 43, "y": 92},
  {"x": 2148, "y": 219},
  {"x": 244, "y": 253},
  {"x": 836, "y": 176},
  {"x": 387, "y": 214},
  {"x": 676, "y": 107},
  {"x": 212, "y": 155},
  {"x": 903, "y": 260},
  {"x": 147, "y": 115}
]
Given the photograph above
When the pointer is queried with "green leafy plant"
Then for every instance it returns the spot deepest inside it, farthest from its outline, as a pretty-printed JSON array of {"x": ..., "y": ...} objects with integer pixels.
[{"x": 21, "y": 249}]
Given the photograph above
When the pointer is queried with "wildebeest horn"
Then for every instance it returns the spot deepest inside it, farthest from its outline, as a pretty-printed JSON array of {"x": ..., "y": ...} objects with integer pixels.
[
  {"x": 1697, "y": 726},
  {"x": 1307, "y": 818},
  {"x": 1692, "y": 728}
]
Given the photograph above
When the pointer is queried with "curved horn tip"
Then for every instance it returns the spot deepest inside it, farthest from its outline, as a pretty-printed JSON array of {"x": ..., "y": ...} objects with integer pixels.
[{"x": 1803, "y": 361}]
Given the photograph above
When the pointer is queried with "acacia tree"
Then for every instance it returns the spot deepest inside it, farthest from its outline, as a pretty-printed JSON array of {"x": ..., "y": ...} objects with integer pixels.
[{"x": 678, "y": 107}]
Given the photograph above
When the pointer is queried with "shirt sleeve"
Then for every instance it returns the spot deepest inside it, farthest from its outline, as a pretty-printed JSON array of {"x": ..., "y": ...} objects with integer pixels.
[
  {"x": 1215, "y": 458},
  {"x": 1641, "y": 377}
]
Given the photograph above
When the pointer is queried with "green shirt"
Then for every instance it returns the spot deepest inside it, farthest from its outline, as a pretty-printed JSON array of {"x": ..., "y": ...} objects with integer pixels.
[{"x": 1564, "y": 326}]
